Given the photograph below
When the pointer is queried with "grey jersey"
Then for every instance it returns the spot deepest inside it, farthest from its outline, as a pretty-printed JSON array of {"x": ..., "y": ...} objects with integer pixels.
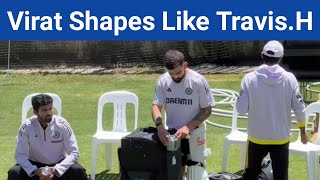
[
  {"x": 182, "y": 101},
  {"x": 46, "y": 146}
]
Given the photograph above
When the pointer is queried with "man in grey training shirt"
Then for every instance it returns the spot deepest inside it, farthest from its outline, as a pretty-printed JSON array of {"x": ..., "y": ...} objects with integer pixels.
[
  {"x": 46, "y": 140},
  {"x": 187, "y": 99}
]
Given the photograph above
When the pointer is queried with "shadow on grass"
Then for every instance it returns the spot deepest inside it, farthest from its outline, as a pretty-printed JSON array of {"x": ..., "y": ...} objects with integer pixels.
[
  {"x": 239, "y": 172},
  {"x": 104, "y": 175}
]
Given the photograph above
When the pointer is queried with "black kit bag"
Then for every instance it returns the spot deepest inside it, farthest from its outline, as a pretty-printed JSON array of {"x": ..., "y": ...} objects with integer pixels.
[
  {"x": 143, "y": 156},
  {"x": 266, "y": 171}
]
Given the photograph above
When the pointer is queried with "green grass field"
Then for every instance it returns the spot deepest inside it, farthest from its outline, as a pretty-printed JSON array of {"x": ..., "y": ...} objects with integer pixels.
[{"x": 80, "y": 94}]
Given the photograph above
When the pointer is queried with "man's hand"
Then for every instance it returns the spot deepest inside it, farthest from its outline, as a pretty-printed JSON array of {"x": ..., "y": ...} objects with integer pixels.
[
  {"x": 304, "y": 137},
  {"x": 54, "y": 171},
  {"x": 38, "y": 172},
  {"x": 163, "y": 135},
  {"x": 183, "y": 132},
  {"x": 43, "y": 177},
  {"x": 48, "y": 177}
]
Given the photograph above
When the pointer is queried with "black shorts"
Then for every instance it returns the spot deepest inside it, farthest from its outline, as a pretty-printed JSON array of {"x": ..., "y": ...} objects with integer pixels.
[{"x": 185, "y": 150}]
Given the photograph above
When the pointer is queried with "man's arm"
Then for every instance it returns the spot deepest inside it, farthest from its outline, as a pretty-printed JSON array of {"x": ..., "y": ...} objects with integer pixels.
[
  {"x": 206, "y": 101},
  {"x": 303, "y": 136},
  {"x": 242, "y": 103},
  {"x": 71, "y": 146},
  {"x": 156, "y": 114},
  {"x": 157, "y": 104},
  {"x": 157, "y": 118},
  {"x": 21, "y": 151},
  {"x": 200, "y": 118},
  {"x": 298, "y": 107}
]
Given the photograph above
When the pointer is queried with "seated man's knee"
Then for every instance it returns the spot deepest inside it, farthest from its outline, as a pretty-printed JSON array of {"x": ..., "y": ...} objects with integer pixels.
[
  {"x": 76, "y": 170},
  {"x": 14, "y": 173}
]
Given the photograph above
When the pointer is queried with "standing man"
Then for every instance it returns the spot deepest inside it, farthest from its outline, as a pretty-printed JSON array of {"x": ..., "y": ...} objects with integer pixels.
[
  {"x": 268, "y": 94},
  {"x": 187, "y": 99},
  {"x": 46, "y": 140}
]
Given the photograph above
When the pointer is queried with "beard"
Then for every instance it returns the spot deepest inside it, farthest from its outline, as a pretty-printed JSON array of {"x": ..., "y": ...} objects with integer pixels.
[
  {"x": 178, "y": 80},
  {"x": 47, "y": 119}
]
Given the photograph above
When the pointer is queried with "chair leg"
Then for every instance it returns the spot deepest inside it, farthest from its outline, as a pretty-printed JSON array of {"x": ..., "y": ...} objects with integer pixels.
[
  {"x": 108, "y": 154},
  {"x": 318, "y": 167},
  {"x": 243, "y": 148},
  {"x": 94, "y": 160},
  {"x": 225, "y": 156},
  {"x": 312, "y": 167}
]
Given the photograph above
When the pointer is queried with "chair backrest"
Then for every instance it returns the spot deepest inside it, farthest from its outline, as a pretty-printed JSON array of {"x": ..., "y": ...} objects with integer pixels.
[
  {"x": 27, "y": 105},
  {"x": 309, "y": 111},
  {"x": 234, "y": 125},
  {"x": 119, "y": 100}
]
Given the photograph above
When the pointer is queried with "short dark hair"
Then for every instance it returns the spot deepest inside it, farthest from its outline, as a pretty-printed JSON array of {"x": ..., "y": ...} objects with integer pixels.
[
  {"x": 172, "y": 59},
  {"x": 40, "y": 100},
  {"x": 270, "y": 60}
]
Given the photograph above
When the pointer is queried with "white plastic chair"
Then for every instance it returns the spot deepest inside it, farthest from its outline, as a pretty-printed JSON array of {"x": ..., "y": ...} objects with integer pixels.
[
  {"x": 309, "y": 151},
  {"x": 235, "y": 137},
  {"x": 27, "y": 105},
  {"x": 119, "y": 100}
]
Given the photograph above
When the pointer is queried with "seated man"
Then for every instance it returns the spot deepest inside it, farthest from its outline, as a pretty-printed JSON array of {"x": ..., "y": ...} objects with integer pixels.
[{"x": 46, "y": 140}]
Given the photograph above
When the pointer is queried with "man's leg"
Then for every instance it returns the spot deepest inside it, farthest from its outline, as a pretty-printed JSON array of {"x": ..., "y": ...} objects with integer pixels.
[
  {"x": 280, "y": 161},
  {"x": 255, "y": 155},
  {"x": 17, "y": 173},
  {"x": 76, "y": 171}
]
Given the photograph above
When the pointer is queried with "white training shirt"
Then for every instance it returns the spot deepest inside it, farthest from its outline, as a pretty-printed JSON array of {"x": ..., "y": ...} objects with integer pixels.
[
  {"x": 182, "y": 101},
  {"x": 46, "y": 146}
]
